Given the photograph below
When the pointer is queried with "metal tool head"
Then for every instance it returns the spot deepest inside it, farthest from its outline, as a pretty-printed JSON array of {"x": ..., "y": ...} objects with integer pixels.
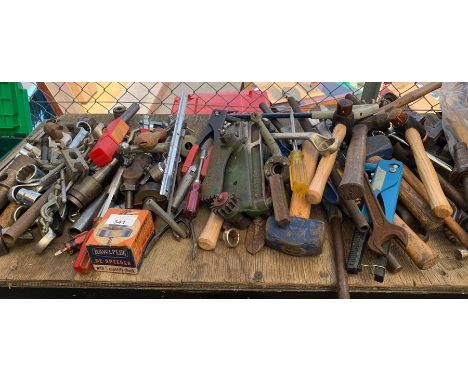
[
  {"x": 379, "y": 237},
  {"x": 325, "y": 146}
]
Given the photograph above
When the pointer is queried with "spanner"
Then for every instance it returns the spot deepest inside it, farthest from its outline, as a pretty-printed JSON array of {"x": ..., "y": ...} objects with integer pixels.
[
  {"x": 325, "y": 146},
  {"x": 382, "y": 230}
]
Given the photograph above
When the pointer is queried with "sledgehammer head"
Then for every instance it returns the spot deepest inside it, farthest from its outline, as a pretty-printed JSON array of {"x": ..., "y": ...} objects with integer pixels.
[{"x": 301, "y": 237}]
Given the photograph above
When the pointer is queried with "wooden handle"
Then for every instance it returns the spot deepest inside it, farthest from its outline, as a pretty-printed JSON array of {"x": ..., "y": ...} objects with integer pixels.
[
  {"x": 209, "y": 236},
  {"x": 453, "y": 194},
  {"x": 418, "y": 207},
  {"x": 419, "y": 252},
  {"x": 149, "y": 139},
  {"x": 324, "y": 168},
  {"x": 415, "y": 183},
  {"x": 439, "y": 203},
  {"x": 457, "y": 230},
  {"x": 352, "y": 183},
  {"x": 299, "y": 205},
  {"x": 410, "y": 97},
  {"x": 451, "y": 224},
  {"x": 278, "y": 199}
]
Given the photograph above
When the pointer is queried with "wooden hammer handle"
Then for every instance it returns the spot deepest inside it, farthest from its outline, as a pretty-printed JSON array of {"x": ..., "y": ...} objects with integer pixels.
[
  {"x": 419, "y": 252},
  {"x": 299, "y": 206},
  {"x": 450, "y": 222},
  {"x": 325, "y": 167},
  {"x": 278, "y": 198},
  {"x": 352, "y": 182},
  {"x": 209, "y": 236},
  {"x": 439, "y": 203},
  {"x": 457, "y": 230},
  {"x": 410, "y": 97},
  {"x": 418, "y": 207}
]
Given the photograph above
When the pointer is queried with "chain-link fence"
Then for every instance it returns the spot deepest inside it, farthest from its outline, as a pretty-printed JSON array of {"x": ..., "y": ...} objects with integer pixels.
[{"x": 50, "y": 99}]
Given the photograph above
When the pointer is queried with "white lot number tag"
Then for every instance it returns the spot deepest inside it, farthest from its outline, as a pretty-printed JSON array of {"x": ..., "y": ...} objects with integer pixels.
[{"x": 123, "y": 220}]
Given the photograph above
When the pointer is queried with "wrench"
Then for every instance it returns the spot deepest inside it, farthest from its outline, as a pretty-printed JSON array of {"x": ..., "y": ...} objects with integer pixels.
[
  {"x": 325, "y": 146},
  {"x": 382, "y": 230}
]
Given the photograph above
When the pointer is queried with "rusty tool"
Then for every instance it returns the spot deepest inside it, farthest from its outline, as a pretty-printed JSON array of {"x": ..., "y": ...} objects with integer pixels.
[
  {"x": 351, "y": 206},
  {"x": 131, "y": 175},
  {"x": 278, "y": 194},
  {"x": 343, "y": 119},
  {"x": 20, "y": 226},
  {"x": 382, "y": 230},
  {"x": 53, "y": 129},
  {"x": 84, "y": 192},
  {"x": 352, "y": 184},
  {"x": 414, "y": 132},
  {"x": 255, "y": 236},
  {"x": 336, "y": 221},
  {"x": 7, "y": 216},
  {"x": 147, "y": 140},
  {"x": 386, "y": 181}
]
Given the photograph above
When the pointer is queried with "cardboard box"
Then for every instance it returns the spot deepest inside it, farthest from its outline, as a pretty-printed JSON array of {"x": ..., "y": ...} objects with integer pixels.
[{"x": 118, "y": 241}]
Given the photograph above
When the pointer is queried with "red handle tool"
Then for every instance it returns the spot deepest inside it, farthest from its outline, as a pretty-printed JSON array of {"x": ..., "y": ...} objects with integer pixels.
[
  {"x": 192, "y": 202},
  {"x": 72, "y": 246},
  {"x": 83, "y": 262},
  {"x": 107, "y": 145}
]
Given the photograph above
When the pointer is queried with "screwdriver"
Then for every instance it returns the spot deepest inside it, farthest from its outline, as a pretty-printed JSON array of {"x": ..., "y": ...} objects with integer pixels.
[
  {"x": 192, "y": 203},
  {"x": 72, "y": 246},
  {"x": 297, "y": 174}
]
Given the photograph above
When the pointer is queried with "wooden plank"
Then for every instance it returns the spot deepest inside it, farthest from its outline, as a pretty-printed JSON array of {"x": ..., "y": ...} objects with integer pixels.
[{"x": 169, "y": 266}]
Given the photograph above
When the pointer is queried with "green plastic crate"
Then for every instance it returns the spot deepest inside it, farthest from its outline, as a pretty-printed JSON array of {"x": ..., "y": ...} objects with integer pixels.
[
  {"x": 7, "y": 144},
  {"x": 15, "y": 115}
]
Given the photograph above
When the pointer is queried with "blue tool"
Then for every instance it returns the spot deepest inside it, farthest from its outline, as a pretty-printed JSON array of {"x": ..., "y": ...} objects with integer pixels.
[{"x": 386, "y": 180}]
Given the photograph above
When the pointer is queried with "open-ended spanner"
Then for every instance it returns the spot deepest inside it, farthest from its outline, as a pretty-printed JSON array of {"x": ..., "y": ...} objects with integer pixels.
[
  {"x": 382, "y": 229},
  {"x": 325, "y": 146}
]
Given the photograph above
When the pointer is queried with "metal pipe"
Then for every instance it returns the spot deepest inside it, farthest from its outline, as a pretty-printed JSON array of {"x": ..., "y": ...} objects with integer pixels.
[
  {"x": 85, "y": 221},
  {"x": 25, "y": 220}
]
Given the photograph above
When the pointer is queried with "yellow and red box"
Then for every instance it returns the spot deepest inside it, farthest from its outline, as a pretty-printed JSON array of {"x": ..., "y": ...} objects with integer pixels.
[{"x": 119, "y": 239}]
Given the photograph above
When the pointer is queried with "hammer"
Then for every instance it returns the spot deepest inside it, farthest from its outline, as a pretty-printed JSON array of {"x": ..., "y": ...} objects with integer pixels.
[
  {"x": 413, "y": 131},
  {"x": 303, "y": 236},
  {"x": 343, "y": 120}
]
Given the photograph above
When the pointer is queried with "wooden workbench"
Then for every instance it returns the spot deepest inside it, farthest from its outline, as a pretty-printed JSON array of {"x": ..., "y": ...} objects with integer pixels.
[{"x": 169, "y": 266}]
